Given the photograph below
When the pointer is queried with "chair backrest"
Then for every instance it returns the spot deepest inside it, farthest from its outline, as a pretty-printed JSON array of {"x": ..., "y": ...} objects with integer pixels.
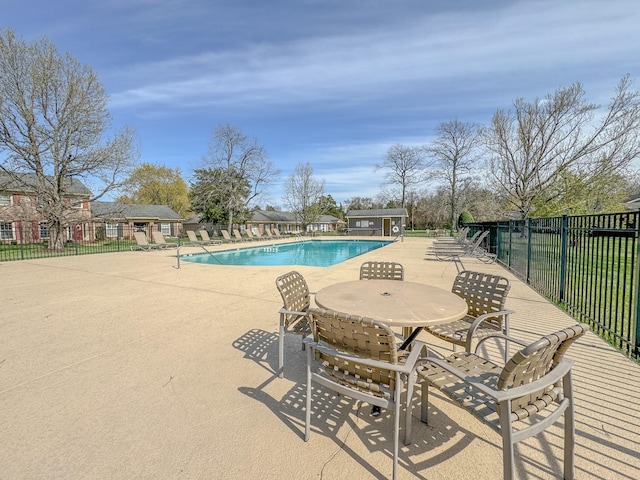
[
  {"x": 295, "y": 294},
  {"x": 158, "y": 237},
  {"x": 534, "y": 362},
  {"x": 381, "y": 271},
  {"x": 483, "y": 292},
  {"x": 357, "y": 336},
  {"x": 237, "y": 234},
  {"x": 276, "y": 232},
  {"x": 204, "y": 235},
  {"x": 192, "y": 236},
  {"x": 141, "y": 238},
  {"x": 225, "y": 235}
]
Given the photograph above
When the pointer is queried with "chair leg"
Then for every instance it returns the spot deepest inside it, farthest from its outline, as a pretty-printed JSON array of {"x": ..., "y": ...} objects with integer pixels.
[
  {"x": 396, "y": 424},
  {"x": 507, "y": 440},
  {"x": 409, "y": 410},
  {"x": 569, "y": 429},
  {"x": 424, "y": 404},
  {"x": 307, "y": 414},
  {"x": 281, "y": 347}
]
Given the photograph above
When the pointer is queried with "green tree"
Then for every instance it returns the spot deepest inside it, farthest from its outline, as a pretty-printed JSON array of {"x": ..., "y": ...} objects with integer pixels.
[
  {"x": 208, "y": 199},
  {"x": 239, "y": 171},
  {"x": 54, "y": 131},
  {"x": 328, "y": 206},
  {"x": 157, "y": 185},
  {"x": 575, "y": 197}
]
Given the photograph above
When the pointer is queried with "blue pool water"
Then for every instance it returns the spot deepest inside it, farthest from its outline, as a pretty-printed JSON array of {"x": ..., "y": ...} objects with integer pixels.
[{"x": 313, "y": 253}]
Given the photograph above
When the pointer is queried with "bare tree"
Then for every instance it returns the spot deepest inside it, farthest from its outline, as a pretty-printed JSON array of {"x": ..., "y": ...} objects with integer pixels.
[
  {"x": 53, "y": 123},
  {"x": 242, "y": 170},
  {"x": 303, "y": 194},
  {"x": 455, "y": 155},
  {"x": 404, "y": 168},
  {"x": 537, "y": 144}
]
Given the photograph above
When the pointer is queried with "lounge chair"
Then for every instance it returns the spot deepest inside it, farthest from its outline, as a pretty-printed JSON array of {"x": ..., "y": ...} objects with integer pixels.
[
  {"x": 239, "y": 237},
  {"x": 277, "y": 233},
  {"x": 455, "y": 251},
  {"x": 250, "y": 235},
  {"x": 227, "y": 238},
  {"x": 206, "y": 238},
  {"x": 269, "y": 234},
  {"x": 529, "y": 394},
  {"x": 257, "y": 235},
  {"x": 358, "y": 357},
  {"x": 158, "y": 239},
  {"x": 143, "y": 244}
]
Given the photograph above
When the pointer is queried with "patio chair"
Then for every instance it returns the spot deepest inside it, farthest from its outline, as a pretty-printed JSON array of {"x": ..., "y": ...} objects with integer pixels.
[
  {"x": 227, "y": 238},
  {"x": 193, "y": 239},
  {"x": 485, "y": 295},
  {"x": 253, "y": 236},
  {"x": 238, "y": 236},
  {"x": 381, "y": 270},
  {"x": 204, "y": 235},
  {"x": 358, "y": 357},
  {"x": 523, "y": 398},
  {"x": 296, "y": 299},
  {"x": 158, "y": 239},
  {"x": 143, "y": 244}
]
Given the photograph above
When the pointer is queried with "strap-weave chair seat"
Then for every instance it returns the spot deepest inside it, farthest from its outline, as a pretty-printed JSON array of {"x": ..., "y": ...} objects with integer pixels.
[
  {"x": 536, "y": 379},
  {"x": 456, "y": 331},
  {"x": 485, "y": 295},
  {"x": 358, "y": 357},
  {"x": 485, "y": 372},
  {"x": 296, "y": 300}
]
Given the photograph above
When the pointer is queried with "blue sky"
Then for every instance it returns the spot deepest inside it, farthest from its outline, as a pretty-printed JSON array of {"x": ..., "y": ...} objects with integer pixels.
[{"x": 332, "y": 83}]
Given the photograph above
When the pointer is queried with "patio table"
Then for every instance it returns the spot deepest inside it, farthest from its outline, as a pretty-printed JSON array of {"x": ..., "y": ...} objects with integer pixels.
[{"x": 396, "y": 303}]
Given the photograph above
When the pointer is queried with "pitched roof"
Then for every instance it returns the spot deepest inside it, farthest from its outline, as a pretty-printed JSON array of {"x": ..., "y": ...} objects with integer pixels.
[
  {"x": 378, "y": 212},
  {"x": 28, "y": 183},
  {"x": 288, "y": 217},
  {"x": 129, "y": 211}
]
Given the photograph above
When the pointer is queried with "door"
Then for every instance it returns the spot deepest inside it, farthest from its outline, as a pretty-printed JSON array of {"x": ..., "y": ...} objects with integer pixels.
[{"x": 386, "y": 227}]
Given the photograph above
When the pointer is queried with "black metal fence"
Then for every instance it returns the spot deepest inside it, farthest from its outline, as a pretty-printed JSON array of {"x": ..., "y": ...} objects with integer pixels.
[
  {"x": 91, "y": 238},
  {"x": 588, "y": 265}
]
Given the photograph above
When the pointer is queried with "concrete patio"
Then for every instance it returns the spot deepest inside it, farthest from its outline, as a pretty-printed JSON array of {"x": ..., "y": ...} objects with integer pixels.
[{"x": 122, "y": 366}]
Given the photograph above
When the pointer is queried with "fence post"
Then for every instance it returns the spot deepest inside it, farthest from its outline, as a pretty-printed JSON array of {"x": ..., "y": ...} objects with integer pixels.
[
  {"x": 637, "y": 319},
  {"x": 510, "y": 244},
  {"x": 527, "y": 226},
  {"x": 562, "y": 280}
]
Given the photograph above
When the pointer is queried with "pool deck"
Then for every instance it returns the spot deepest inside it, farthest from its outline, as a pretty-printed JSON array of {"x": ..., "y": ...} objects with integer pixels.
[{"x": 122, "y": 366}]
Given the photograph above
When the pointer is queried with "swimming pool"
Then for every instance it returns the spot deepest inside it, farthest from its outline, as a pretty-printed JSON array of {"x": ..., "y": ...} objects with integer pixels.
[{"x": 313, "y": 253}]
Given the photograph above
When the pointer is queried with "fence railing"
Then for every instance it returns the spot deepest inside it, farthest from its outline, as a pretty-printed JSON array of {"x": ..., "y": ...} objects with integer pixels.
[
  {"x": 91, "y": 238},
  {"x": 588, "y": 265}
]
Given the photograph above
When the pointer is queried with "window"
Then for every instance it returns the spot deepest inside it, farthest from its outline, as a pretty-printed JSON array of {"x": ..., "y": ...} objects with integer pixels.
[
  {"x": 165, "y": 228},
  {"x": 44, "y": 230},
  {"x": 5, "y": 199},
  {"x": 76, "y": 203},
  {"x": 112, "y": 230},
  {"x": 6, "y": 231}
]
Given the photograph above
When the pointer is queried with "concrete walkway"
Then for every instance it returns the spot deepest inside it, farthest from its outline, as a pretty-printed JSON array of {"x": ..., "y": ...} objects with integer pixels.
[{"x": 121, "y": 366}]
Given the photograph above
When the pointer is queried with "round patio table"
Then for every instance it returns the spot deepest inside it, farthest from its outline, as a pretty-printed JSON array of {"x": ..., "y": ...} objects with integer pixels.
[{"x": 396, "y": 303}]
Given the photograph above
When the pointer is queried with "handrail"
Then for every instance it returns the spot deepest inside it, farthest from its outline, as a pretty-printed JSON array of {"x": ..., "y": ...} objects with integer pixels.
[{"x": 195, "y": 245}]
